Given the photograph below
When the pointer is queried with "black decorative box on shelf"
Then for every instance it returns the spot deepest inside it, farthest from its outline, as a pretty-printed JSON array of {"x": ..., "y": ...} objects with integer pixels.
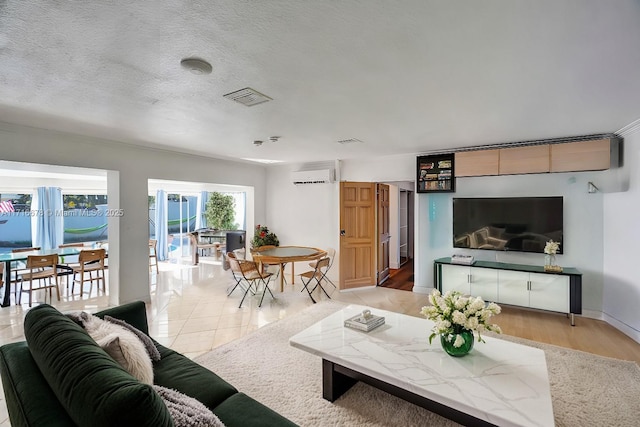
[{"x": 436, "y": 173}]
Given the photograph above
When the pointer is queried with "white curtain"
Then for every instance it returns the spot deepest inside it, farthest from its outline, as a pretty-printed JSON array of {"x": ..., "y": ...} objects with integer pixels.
[
  {"x": 162, "y": 225},
  {"x": 240, "y": 209},
  {"x": 47, "y": 225},
  {"x": 201, "y": 219}
]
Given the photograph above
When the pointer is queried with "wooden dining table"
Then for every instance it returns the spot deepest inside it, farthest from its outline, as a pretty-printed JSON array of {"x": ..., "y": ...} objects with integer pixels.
[
  {"x": 282, "y": 255},
  {"x": 10, "y": 258}
]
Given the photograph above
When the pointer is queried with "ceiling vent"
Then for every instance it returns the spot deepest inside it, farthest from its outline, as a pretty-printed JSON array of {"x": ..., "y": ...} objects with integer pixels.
[
  {"x": 349, "y": 141},
  {"x": 320, "y": 176},
  {"x": 248, "y": 97}
]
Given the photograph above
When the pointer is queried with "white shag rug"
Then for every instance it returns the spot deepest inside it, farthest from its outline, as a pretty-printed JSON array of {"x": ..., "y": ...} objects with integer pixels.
[{"x": 587, "y": 390}]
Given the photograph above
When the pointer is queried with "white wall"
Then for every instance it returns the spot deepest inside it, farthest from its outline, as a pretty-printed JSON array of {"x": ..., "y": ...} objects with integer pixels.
[
  {"x": 583, "y": 225},
  {"x": 621, "y": 250},
  {"x": 583, "y": 216},
  {"x": 131, "y": 168},
  {"x": 302, "y": 215}
]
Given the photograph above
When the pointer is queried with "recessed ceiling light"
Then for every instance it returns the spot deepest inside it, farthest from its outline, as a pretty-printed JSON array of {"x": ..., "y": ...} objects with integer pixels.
[{"x": 196, "y": 65}]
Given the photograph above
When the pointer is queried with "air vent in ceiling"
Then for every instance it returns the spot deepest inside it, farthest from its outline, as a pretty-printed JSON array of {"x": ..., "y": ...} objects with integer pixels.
[
  {"x": 248, "y": 97},
  {"x": 349, "y": 141}
]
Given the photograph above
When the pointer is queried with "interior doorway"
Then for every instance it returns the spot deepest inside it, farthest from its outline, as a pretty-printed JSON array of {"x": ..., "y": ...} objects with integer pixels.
[
  {"x": 401, "y": 278},
  {"x": 401, "y": 231},
  {"x": 369, "y": 251}
]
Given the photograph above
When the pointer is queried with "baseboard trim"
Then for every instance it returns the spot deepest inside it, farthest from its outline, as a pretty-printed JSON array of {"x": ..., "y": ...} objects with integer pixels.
[
  {"x": 421, "y": 289},
  {"x": 622, "y": 327},
  {"x": 358, "y": 289},
  {"x": 593, "y": 314}
]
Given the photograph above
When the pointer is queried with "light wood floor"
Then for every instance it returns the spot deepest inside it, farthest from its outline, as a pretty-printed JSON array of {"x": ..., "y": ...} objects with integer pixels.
[{"x": 589, "y": 335}]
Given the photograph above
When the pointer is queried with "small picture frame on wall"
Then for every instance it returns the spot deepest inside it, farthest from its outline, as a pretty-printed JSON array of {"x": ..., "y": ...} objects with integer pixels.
[{"x": 436, "y": 173}]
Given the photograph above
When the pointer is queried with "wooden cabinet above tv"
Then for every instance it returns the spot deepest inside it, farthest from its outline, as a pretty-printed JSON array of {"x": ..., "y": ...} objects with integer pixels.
[
  {"x": 583, "y": 155},
  {"x": 520, "y": 160},
  {"x": 590, "y": 155},
  {"x": 477, "y": 163}
]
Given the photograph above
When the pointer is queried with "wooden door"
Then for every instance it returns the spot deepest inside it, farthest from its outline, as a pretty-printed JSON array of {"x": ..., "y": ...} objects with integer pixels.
[
  {"x": 357, "y": 234},
  {"x": 383, "y": 232}
]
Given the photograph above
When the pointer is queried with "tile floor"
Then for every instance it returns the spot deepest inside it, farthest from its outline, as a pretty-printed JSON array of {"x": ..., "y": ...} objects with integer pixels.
[{"x": 191, "y": 312}]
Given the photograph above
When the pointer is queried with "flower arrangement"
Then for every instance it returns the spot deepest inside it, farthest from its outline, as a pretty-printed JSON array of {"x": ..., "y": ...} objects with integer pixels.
[
  {"x": 262, "y": 236},
  {"x": 551, "y": 248},
  {"x": 453, "y": 313}
]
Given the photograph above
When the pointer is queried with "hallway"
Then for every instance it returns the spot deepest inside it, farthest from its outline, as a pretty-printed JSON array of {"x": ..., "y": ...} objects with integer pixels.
[{"x": 401, "y": 278}]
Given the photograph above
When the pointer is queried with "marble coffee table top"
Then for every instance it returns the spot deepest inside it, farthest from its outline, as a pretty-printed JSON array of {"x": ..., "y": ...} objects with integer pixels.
[{"x": 499, "y": 381}]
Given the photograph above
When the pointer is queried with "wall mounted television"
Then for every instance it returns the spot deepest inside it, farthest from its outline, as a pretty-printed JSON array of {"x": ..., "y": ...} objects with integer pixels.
[{"x": 523, "y": 224}]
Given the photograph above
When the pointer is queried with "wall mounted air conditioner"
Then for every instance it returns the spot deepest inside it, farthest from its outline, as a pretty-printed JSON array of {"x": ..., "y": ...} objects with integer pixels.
[{"x": 320, "y": 176}]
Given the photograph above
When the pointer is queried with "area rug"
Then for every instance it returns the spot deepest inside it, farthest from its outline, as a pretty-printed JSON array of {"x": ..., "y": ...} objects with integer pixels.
[{"x": 586, "y": 390}]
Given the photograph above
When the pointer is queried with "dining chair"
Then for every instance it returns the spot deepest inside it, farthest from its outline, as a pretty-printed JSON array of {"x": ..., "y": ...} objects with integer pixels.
[
  {"x": 89, "y": 261},
  {"x": 252, "y": 275},
  {"x": 196, "y": 246},
  {"x": 104, "y": 244},
  {"x": 318, "y": 274},
  {"x": 274, "y": 269},
  {"x": 153, "y": 254},
  {"x": 70, "y": 259},
  {"x": 20, "y": 266},
  {"x": 72, "y": 245},
  {"x": 236, "y": 271},
  {"x": 331, "y": 254},
  {"x": 35, "y": 248},
  {"x": 247, "y": 272},
  {"x": 43, "y": 270},
  {"x": 67, "y": 262}
]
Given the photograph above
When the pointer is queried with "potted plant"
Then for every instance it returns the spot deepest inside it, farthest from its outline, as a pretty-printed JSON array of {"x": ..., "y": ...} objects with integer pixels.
[
  {"x": 262, "y": 236},
  {"x": 220, "y": 213}
]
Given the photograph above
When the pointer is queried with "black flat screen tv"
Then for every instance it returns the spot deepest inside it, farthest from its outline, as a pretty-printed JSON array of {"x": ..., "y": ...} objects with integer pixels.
[{"x": 523, "y": 224}]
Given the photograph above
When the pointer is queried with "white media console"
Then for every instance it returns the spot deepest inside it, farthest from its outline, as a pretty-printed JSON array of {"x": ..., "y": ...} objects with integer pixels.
[{"x": 513, "y": 284}]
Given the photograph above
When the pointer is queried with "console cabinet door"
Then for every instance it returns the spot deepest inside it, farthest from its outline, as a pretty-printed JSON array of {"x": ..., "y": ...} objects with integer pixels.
[
  {"x": 455, "y": 278},
  {"x": 549, "y": 292},
  {"x": 513, "y": 287},
  {"x": 484, "y": 283}
]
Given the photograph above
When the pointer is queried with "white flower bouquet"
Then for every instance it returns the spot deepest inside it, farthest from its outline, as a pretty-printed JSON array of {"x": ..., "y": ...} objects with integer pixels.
[
  {"x": 551, "y": 248},
  {"x": 453, "y": 313}
]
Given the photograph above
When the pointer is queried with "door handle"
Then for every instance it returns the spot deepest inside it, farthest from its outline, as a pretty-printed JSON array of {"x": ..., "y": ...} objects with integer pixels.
[{"x": 343, "y": 232}]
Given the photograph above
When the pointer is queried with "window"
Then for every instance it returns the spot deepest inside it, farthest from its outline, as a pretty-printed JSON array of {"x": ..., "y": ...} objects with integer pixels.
[
  {"x": 85, "y": 217},
  {"x": 15, "y": 221}
]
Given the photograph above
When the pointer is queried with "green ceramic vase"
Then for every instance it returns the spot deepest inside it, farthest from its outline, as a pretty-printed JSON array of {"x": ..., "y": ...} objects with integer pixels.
[{"x": 447, "y": 341}]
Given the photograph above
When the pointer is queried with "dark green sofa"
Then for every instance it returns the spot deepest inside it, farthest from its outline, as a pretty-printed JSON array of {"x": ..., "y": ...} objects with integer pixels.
[{"x": 59, "y": 376}]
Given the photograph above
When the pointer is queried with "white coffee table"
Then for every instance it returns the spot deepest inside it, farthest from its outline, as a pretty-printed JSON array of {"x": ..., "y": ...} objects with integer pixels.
[{"x": 498, "y": 383}]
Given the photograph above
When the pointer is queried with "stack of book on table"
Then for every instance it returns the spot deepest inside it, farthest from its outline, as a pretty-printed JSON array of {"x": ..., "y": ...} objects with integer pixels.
[{"x": 364, "y": 321}]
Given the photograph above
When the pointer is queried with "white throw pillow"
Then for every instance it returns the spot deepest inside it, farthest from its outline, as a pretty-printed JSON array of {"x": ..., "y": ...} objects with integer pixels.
[{"x": 121, "y": 344}]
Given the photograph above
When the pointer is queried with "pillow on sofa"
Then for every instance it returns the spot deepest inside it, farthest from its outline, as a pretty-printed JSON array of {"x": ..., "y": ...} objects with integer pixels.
[
  {"x": 151, "y": 348},
  {"x": 94, "y": 390},
  {"x": 187, "y": 411},
  {"x": 121, "y": 344}
]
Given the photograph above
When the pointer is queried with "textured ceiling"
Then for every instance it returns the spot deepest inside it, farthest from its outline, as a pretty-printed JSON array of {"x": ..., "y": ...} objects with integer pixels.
[{"x": 402, "y": 76}]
